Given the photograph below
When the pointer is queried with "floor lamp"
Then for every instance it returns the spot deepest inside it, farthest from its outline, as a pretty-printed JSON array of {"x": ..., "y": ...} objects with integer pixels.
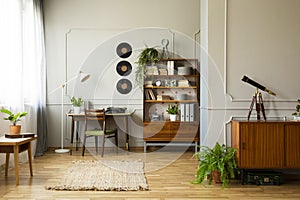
[{"x": 83, "y": 77}]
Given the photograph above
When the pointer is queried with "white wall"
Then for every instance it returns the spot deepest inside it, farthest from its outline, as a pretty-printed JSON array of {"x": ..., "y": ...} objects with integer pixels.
[
  {"x": 75, "y": 28},
  {"x": 258, "y": 38}
]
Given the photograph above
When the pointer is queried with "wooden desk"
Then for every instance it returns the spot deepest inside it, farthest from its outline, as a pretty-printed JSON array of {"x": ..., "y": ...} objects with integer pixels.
[
  {"x": 80, "y": 117},
  {"x": 16, "y": 146}
]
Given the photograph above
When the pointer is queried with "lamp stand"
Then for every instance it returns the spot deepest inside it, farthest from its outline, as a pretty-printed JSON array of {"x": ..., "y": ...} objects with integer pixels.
[
  {"x": 259, "y": 104},
  {"x": 62, "y": 150}
]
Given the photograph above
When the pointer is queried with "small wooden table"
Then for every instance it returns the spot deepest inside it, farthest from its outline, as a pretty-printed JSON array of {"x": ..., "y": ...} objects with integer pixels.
[{"x": 16, "y": 146}]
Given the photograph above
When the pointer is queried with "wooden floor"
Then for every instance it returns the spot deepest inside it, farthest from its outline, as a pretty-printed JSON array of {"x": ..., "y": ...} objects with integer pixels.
[{"x": 168, "y": 174}]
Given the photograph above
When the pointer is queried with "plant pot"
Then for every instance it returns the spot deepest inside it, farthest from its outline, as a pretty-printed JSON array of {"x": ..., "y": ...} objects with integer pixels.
[
  {"x": 296, "y": 117},
  {"x": 15, "y": 130},
  {"x": 76, "y": 109},
  {"x": 216, "y": 177},
  {"x": 173, "y": 118}
]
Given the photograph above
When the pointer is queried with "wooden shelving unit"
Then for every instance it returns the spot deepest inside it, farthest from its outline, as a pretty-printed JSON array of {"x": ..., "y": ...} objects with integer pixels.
[{"x": 161, "y": 132}]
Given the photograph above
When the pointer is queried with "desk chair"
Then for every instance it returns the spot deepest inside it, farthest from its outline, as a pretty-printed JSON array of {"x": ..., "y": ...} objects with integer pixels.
[{"x": 101, "y": 131}]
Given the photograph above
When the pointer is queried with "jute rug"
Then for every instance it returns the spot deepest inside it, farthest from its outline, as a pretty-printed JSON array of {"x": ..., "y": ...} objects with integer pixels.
[{"x": 103, "y": 175}]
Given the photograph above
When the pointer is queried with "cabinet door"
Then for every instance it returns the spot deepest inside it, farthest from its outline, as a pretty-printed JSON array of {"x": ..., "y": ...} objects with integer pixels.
[
  {"x": 292, "y": 146},
  {"x": 184, "y": 131},
  {"x": 156, "y": 131},
  {"x": 262, "y": 145}
]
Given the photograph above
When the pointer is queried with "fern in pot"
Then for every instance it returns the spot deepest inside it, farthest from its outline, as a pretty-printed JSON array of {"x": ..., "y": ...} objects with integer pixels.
[{"x": 217, "y": 164}]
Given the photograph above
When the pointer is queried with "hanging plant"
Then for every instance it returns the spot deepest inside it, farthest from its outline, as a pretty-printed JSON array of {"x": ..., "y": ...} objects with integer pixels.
[{"x": 149, "y": 56}]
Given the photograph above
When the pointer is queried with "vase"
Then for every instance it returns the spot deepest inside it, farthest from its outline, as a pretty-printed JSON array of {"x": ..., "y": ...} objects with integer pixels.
[
  {"x": 76, "y": 109},
  {"x": 172, "y": 117}
]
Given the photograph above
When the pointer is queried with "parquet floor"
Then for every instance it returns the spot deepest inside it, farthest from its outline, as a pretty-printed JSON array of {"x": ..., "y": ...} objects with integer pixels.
[{"x": 168, "y": 174}]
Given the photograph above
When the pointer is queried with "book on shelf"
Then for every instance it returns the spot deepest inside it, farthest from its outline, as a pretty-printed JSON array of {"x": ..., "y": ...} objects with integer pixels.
[
  {"x": 147, "y": 95},
  {"x": 182, "y": 112},
  {"x": 192, "y": 112},
  {"x": 187, "y": 112},
  {"x": 152, "y": 95},
  {"x": 170, "y": 66}
]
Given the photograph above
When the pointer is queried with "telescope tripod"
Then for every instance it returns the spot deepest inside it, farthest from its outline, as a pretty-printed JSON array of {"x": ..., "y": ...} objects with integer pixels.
[{"x": 259, "y": 104}]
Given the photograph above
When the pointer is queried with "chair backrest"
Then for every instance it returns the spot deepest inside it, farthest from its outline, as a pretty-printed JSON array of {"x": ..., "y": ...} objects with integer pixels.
[{"x": 95, "y": 115}]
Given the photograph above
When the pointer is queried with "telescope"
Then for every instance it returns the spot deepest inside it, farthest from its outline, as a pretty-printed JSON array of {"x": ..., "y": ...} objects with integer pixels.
[
  {"x": 257, "y": 85},
  {"x": 257, "y": 97}
]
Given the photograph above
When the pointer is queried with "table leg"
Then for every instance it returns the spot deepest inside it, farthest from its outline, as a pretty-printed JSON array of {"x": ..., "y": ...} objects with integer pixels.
[
  {"x": 6, "y": 163},
  {"x": 16, "y": 159},
  {"x": 72, "y": 134},
  {"x": 30, "y": 158},
  {"x": 127, "y": 135},
  {"x": 77, "y": 134},
  {"x": 72, "y": 130}
]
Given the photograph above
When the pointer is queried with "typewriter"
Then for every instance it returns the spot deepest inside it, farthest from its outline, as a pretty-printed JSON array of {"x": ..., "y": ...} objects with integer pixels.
[{"x": 111, "y": 110}]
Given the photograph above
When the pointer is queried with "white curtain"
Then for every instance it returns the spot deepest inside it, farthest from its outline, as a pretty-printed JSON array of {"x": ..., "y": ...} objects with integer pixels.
[{"x": 22, "y": 61}]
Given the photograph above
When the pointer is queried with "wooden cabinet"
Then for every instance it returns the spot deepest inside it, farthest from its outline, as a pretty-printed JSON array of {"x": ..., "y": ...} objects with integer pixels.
[
  {"x": 266, "y": 144},
  {"x": 171, "y": 131},
  {"x": 162, "y": 88}
]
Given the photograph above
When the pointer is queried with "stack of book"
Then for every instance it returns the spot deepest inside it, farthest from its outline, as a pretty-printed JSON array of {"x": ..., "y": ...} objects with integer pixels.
[
  {"x": 163, "y": 71},
  {"x": 183, "y": 83},
  {"x": 151, "y": 70},
  {"x": 163, "y": 97},
  {"x": 149, "y": 94}
]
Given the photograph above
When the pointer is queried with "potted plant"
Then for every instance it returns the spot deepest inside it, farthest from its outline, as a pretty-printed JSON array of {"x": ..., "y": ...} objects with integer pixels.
[
  {"x": 297, "y": 113},
  {"x": 149, "y": 56},
  {"x": 14, "y": 118},
  {"x": 219, "y": 160},
  {"x": 172, "y": 111},
  {"x": 77, "y": 103}
]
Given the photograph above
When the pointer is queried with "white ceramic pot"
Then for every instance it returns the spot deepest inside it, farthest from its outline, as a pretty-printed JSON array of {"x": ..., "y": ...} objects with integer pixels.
[
  {"x": 297, "y": 117},
  {"x": 173, "y": 117},
  {"x": 76, "y": 109}
]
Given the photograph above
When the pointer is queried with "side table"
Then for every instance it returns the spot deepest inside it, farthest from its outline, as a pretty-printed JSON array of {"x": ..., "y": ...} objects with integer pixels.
[{"x": 16, "y": 146}]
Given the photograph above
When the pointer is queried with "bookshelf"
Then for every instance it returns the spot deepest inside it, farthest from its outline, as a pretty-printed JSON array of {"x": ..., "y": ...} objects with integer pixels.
[{"x": 164, "y": 86}]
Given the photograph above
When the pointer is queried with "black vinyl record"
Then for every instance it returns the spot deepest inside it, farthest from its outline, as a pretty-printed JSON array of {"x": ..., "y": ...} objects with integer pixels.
[
  {"x": 124, "y": 50},
  {"x": 124, "y": 68},
  {"x": 124, "y": 86}
]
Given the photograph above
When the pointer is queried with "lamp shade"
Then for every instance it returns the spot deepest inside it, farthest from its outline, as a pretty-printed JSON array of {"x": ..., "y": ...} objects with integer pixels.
[{"x": 83, "y": 76}]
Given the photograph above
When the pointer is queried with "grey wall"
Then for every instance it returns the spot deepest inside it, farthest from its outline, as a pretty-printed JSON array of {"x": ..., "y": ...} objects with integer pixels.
[
  {"x": 258, "y": 38},
  {"x": 76, "y": 28}
]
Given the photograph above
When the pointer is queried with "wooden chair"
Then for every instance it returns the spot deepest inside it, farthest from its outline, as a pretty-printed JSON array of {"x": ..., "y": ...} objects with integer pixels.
[{"x": 101, "y": 131}]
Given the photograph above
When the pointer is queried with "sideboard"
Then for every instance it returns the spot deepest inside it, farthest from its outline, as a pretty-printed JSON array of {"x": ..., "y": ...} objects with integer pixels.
[{"x": 266, "y": 144}]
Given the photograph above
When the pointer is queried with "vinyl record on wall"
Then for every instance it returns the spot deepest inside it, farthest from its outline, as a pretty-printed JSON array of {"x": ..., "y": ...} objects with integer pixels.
[
  {"x": 124, "y": 68},
  {"x": 124, "y": 50},
  {"x": 124, "y": 86}
]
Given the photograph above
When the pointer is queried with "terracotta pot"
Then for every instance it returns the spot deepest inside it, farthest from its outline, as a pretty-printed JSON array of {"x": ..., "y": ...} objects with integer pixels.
[
  {"x": 216, "y": 177},
  {"x": 15, "y": 130}
]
